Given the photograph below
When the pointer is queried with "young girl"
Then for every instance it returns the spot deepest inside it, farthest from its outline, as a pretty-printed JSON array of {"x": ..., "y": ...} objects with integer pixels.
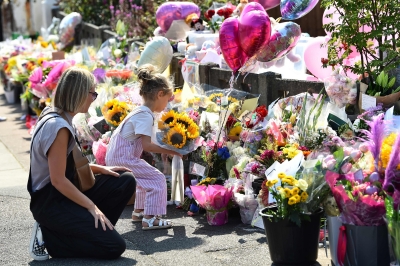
[{"x": 132, "y": 137}]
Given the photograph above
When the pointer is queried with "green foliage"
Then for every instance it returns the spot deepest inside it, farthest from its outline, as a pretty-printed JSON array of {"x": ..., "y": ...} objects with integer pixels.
[
  {"x": 383, "y": 17},
  {"x": 96, "y": 12},
  {"x": 383, "y": 85}
]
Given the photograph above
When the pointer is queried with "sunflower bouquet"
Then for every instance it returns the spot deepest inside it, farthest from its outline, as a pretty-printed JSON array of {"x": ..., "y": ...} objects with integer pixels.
[
  {"x": 115, "y": 111},
  {"x": 178, "y": 132}
]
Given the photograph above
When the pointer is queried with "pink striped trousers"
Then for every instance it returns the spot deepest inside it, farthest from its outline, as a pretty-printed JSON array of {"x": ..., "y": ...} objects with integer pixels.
[{"x": 151, "y": 188}]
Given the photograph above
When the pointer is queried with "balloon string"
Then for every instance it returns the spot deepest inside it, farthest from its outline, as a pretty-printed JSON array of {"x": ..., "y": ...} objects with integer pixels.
[{"x": 232, "y": 81}]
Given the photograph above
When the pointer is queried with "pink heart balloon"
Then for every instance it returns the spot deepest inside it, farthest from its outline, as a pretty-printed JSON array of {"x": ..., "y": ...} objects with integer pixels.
[
  {"x": 312, "y": 58},
  {"x": 170, "y": 11},
  {"x": 254, "y": 28},
  {"x": 233, "y": 53},
  {"x": 283, "y": 39},
  {"x": 267, "y": 4}
]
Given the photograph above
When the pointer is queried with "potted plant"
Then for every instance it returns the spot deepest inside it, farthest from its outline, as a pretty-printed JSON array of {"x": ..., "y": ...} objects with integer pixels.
[{"x": 367, "y": 34}]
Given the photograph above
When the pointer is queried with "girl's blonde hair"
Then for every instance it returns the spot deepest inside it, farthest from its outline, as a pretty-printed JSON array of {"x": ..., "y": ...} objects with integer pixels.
[
  {"x": 152, "y": 82},
  {"x": 73, "y": 89}
]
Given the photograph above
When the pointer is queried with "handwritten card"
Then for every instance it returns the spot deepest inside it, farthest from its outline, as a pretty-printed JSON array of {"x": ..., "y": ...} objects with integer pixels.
[
  {"x": 197, "y": 169},
  {"x": 367, "y": 101}
]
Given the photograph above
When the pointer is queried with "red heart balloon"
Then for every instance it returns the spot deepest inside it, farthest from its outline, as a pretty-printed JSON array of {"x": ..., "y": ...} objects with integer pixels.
[
  {"x": 254, "y": 28},
  {"x": 233, "y": 53}
]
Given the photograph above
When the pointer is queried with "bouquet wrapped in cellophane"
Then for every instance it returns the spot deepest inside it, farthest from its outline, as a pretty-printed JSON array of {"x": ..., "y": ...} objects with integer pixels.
[
  {"x": 214, "y": 199},
  {"x": 177, "y": 132}
]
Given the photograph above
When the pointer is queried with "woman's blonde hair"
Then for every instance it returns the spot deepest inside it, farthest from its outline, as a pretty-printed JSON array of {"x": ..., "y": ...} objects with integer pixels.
[
  {"x": 73, "y": 89},
  {"x": 152, "y": 82}
]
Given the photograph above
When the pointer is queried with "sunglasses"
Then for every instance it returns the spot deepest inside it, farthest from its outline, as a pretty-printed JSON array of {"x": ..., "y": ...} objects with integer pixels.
[
  {"x": 94, "y": 95},
  {"x": 172, "y": 98}
]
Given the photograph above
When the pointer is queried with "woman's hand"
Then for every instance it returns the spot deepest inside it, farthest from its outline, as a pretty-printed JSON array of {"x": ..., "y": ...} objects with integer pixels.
[
  {"x": 177, "y": 154},
  {"x": 112, "y": 170},
  {"x": 99, "y": 216}
]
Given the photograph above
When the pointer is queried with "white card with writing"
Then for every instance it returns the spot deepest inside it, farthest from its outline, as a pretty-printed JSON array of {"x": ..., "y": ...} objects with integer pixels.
[
  {"x": 367, "y": 101},
  {"x": 197, "y": 169}
]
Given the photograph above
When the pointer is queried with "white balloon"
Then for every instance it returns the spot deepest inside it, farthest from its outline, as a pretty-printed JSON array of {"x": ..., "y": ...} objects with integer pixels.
[{"x": 157, "y": 52}]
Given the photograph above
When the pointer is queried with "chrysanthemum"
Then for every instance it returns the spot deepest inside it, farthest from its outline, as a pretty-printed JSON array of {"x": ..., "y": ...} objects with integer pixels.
[
  {"x": 288, "y": 192},
  {"x": 167, "y": 120},
  {"x": 304, "y": 196},
  {"x": 295, "y": 191},
  {"x": 176, "y": 136},
  {"x": 292, "y": 201},
  {"x": 386, "y": 149},
  {"x": 297, "y": 198},
  {"x": 281, "y": 175}
]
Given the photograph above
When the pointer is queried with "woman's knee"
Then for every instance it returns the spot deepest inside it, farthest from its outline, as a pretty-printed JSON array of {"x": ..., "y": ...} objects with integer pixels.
[
  {"x": 129, "y": 181},
  {"x": 114, "y": 250}
]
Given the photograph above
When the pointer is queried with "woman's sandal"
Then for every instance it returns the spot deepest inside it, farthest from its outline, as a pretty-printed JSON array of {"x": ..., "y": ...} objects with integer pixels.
[
  {"x": 161, "y": 224},
  {"x": 137, "y": 217}
]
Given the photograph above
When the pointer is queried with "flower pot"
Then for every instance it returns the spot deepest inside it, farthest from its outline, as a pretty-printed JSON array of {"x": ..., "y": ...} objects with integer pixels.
[
  {"x": 217, "y": 217},
  {"x": 388, "y": 100},
  {"x": 366, "y": 245},
  {"x": 334, "y": 225},
  {"x": 290, "y": 244},
  {"x": 10, "y": 96}
]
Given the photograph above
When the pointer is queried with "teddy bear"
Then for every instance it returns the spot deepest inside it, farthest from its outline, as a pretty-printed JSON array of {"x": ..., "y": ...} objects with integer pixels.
[{"x": 239, "y": 7}]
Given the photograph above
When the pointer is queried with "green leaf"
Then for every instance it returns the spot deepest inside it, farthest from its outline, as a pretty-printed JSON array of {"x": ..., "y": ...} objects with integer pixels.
[
  {"x": 391, "y": 82},
  {"x": 385, "y": 80},
  {"x": 389, "y": 207},
  {"x": 397, "y": 90},
  {"x": 379, "y": 79}
]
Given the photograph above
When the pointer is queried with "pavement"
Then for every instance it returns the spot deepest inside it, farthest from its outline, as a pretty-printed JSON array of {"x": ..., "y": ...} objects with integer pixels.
[{"x": 191, "y": 241}]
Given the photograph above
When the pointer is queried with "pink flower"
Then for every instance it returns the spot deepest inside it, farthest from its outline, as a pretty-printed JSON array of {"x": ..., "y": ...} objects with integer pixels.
[
  {"x": 364, "y": 147},
  {"x": 346, "y": 168},
  {"x": 355, "y": 155},
  {"x": 237, "y": 174},
  {"x": 329, "y": 164}
]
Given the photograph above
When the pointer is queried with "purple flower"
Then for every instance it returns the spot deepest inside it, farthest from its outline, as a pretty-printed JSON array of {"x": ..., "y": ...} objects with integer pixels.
[{"x": 99, "y": 74}]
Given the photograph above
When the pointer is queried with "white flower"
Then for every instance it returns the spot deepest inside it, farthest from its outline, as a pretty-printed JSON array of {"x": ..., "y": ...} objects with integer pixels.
[
  {"x": 303, "y": 184},
  {"x": 117, "y": 53}
]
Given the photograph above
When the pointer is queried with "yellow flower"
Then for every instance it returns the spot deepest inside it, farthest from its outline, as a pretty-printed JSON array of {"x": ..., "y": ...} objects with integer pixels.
[
  {"x": 114, "y": 112},
  {"x": 292, "y": 201},
  {"x": 295, "y": 191},
  {"x": 304, "y": 196},
  {"x": 44, "y": 44},
  {"x": 184, "y": 119},
  {"x": 193, "y": 131},
  {"x": 288, "y": 181},
  {"x": 288, "y": 192},
  {"x": 292, "y": 119},
  {"x": 176, "y": 136},
  {"x": 167, "y": 120},
  {"x": 297, "y": 198},
  {"x": 235, "y": 131},
  {"x": 215, "y": 95},
  {"x": 281, "y": 175},
  {"x": 386, "y": 150},
  {"x": 272, "y": 182},
  {"x": 177, "y": 91}
]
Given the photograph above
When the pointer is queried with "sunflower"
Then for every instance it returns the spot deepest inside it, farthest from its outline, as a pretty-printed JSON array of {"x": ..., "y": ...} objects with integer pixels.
[
  {"x": 184, "y": 119},
  {"x": 235, "y": 131},
  {"x": 193, "y": 131},
  {"x": 213, "y": 97},
  {"x": 114, "y": 112},
  {"x": 167, "y": 119},
  {"x": 176, "y": 136}
]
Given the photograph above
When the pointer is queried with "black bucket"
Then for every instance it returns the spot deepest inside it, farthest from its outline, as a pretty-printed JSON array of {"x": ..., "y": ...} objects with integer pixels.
[{"x": 290, "y": 244}]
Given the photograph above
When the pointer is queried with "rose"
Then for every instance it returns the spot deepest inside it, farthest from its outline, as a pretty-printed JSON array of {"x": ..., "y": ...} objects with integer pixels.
[
  {"x": 209, "y": 13},
  {"x": 117, "y": 53},
  {"x": 262, "y": 111},
  {"x": 346, "y": 168},
  {"x": 223, "y": 153},
  {"x": 303, "y": 184}
]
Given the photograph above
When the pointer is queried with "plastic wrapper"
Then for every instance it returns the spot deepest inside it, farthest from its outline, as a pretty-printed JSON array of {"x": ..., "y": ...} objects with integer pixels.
[
  {"x": 99, "y": 149},
  {"x": 177, "y": 186},
  {"x": 248, "y": 205},
  {"x": 178, "y": 132},
  {"x": 362, "y": 211},
  {"x": 67, "y": 28},
  {"x": 212, "y": 197}
]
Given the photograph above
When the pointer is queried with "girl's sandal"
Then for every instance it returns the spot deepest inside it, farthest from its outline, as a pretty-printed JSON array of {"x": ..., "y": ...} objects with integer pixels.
[
  {"x": 162, "y": 224},
  {"x": 137, "y": 217}
]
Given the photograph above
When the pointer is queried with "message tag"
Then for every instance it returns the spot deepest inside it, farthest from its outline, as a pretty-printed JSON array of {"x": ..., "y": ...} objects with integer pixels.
[
  {"x": 224, "y": 100},
  {"x": 197, "y": 169},
  {"x": 367, "y": 101}
]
